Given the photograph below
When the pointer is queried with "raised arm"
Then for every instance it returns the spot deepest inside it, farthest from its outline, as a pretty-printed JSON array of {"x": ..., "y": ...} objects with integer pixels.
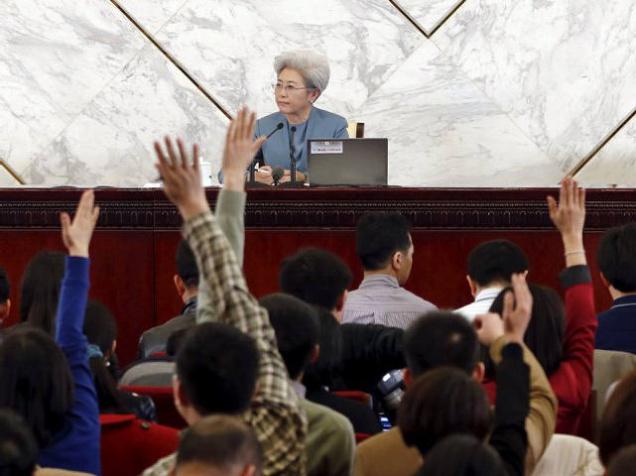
[
  {"x": 275, "y": 414},
  {"x": 576, "y": 369}
]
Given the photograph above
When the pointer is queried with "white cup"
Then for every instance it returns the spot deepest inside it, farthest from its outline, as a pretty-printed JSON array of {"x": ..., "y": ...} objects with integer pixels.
[{"x": 206, "y": 172}]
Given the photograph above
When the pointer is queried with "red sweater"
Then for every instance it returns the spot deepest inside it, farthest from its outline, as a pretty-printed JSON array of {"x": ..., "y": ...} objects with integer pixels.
[{"x": 572, "y": 380}]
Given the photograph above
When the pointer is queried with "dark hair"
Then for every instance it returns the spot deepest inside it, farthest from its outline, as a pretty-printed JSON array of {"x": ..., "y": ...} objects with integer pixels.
[
  {"x": 5, "y": 288},
  {"x": 617, "y": 427},
  {"x": 41, "y": 284},
  {"x": 496, "y": 261},
  {"x": 442, "y": 402},
  {"x": 187, "y": 264},
  {"x": 379, "y": 236},
  {"x": 220, "y": 441},
  {"x": 174, "y": 342},
  {"x": 440, "y": 338},
  {"x": 460, "y": 455},
  {"x": 35, "y": 381},
  {"x": 316, "y": 276},
  {"x": 296, "y": 325},
  {"x": 328, "y": 366},
  {"x": 100, "y": 330},
  {"x": 218, "y": 367},
  {"x": 616, "y": 257},
  {"x": 544, "y": 336},
  {"x": 624, "y": 462},
  {"x": 18, "y": 450}
]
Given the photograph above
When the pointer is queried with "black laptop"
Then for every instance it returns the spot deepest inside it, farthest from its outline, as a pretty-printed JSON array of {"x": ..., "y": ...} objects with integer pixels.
[{"x": 348, "y": 161}]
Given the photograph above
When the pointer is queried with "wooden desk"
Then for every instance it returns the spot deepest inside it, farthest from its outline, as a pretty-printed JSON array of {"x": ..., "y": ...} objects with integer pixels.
[{"x": 133, "y": 248}]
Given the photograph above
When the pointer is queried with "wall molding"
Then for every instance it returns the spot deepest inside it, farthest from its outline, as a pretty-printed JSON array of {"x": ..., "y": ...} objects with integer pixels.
[{"x": 337, "y": 208}]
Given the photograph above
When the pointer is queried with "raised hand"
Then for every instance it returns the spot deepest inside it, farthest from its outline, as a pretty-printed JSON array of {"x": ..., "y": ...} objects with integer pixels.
[
  {"x": 569, "y": 217},
  {"x": 240, "y": 149},
  {"x": 77, "y": 233},
  {"x": 182, "y": 178},
  {"x": 489, "y": 328},
  {"x": 517, "y": 309}
]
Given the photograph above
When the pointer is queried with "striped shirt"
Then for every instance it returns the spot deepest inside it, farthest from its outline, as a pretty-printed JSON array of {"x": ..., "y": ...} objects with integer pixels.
[{"x": 381, "y": 300}]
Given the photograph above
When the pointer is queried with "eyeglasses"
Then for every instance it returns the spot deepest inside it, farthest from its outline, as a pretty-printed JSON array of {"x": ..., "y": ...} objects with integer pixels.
[{"x": 288, "y": 88}]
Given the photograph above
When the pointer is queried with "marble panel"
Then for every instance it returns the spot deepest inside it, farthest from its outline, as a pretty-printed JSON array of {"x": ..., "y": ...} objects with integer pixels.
[
  {"x": 151, "y": 14},
  {"x": 110, "y": 142},
  {"x": 615, "y": 164},
  {"x": 563, "y": 71},
  {"x": 55, "y": 57},
  {"x": 428, "y": 13},
  {"x": 443, "y": 131},
  {"x": 230, "y": 46}
]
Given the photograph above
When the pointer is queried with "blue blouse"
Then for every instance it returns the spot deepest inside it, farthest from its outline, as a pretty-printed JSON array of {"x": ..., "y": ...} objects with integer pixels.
[{"x": 321, "y": 124}]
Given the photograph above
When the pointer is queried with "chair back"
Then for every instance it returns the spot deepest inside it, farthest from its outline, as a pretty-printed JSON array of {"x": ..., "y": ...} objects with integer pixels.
[
  {"x": 167, "y": 413},
  {"x": 356, "y": 396}
]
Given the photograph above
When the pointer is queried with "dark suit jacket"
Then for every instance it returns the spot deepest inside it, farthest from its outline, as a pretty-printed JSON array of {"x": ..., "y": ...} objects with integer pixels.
[
  {"x": 617, "y": 326},
  {"x": 155, "y": 339}
]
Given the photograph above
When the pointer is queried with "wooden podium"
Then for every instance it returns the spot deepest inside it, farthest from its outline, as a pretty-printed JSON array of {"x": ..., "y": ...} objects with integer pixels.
[{"x": 134, "y": 245}]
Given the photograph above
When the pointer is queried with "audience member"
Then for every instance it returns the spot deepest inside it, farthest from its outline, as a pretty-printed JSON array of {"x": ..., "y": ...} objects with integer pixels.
[
  {"x": 616, "y": 258},
  {"x": 618, "y": 423},
  {"x": 100, "y": 330},
  {"x": 51, "y": 385},
  {"x": 447, "y": 339},
  {"x": 462, "y": 455},
  {"x": 274, "y": 412},
  {"x": 385, "y": 248},
  {"x": 186, "y": 281},
  {"x": 219, "y": 445},
  {"x": 490, "y": 268},
  {"x": 5, "y": 294},
  {"x": 568, "y": 362},
  {"x": 446, "y": 401},
  {"x": 330, "y": 440},
  {"x": 41, "y": 290}
]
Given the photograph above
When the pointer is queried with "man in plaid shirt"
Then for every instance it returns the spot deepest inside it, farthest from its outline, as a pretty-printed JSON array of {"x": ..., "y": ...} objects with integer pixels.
[{"x": 274, "y": 414}]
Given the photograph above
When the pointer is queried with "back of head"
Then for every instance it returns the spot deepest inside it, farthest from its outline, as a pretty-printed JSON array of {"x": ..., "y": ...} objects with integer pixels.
[
  {"x": 100, "y": 327},
  {"x": 187, "y": 265},
  {"x": 41, "y": 289},
  {"x": 624, "y": 462},
  {"x": 316, "y": 276},
  {"x": 495, "y": 261},
  {"x": 222, "y": 444},
  {"x": 462, "y": 455},
  {"x": 616, "y": 257},
  {"x": 440, "y": 339},
  {"x": 296, "y": 325},
  {"x": 544, "y": 336},
  {"x": 379, "y": 236},
  {"x": 35, "y": 381},
  {"x": 218, "y": 367},
  {"x": 617, "y": 424},
  {"x": 5, "y": 288},
  {"x": 18, "y": 450},
  {"x": 440, "y": 403}
]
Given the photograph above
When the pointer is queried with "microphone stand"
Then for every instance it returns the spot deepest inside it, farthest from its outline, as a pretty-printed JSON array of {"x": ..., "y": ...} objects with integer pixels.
[{"x": 292, "y": 159}]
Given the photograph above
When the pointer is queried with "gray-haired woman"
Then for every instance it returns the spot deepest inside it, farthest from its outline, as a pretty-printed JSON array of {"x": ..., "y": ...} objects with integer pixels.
[{"x": 302, "y": 76}]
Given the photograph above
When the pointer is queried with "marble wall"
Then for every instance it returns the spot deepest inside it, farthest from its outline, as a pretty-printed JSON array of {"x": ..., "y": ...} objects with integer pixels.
[{"x": 469, "y": 92}]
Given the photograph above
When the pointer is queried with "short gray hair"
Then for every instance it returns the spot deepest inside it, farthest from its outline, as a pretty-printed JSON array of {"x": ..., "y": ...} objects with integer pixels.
[{"x": 312, "y": 66}]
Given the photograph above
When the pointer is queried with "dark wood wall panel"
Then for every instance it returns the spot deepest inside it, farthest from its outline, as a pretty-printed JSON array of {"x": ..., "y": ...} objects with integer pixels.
[{"x": 134, "y": 246}]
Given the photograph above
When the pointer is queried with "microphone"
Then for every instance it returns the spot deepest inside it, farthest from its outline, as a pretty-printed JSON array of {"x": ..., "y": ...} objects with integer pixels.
[
  {"x": 277, "y": 174},
  {"x": 292, "y": 159},
  {"x": 258, "y": 158}
]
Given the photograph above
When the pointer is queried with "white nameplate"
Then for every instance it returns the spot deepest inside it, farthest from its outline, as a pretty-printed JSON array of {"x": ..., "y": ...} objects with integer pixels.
[{"x": 326, "y": 147}]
